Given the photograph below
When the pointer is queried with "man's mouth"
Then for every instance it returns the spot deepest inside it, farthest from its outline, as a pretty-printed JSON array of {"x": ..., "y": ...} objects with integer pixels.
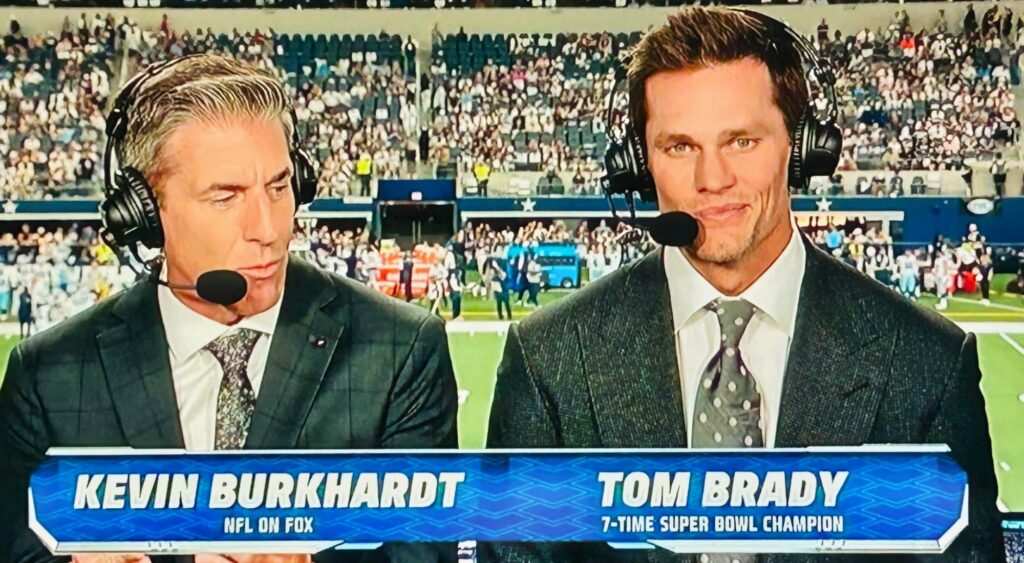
[
  {"x": 261, "y": 271},
  {"x": 722, "y": 214}
]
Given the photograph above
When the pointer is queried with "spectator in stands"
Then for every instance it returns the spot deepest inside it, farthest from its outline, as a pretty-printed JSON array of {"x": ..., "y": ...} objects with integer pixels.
[
  {"x": 990, "y": 20},
  {"x": 364, "y": 170},
  {"x": 998, "y": 170},
  {"x": 970, "y": 20},
  {"x": 941, "y": 24},
  {"x": 482, "y": 173}
]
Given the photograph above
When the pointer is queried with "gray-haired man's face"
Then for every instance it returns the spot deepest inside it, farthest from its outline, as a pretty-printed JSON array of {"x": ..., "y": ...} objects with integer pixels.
[{"x": 228, "y": 204}]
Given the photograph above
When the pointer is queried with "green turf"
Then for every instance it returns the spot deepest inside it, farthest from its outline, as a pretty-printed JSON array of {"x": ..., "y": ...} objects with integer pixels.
[
  {"x": 7, "y": 344},
  {"x": 1003, "y": 385},
  {"x": 475, "y": 357}
]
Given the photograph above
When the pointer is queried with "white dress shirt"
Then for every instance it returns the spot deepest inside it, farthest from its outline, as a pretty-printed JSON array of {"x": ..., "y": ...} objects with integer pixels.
[
  {"x": 765, "y": 344},
  {"x": 196, "y": 372}
]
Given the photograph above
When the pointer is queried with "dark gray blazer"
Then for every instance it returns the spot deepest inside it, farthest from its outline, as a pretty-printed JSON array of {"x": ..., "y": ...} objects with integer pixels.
[
  {"x": 599, "y": 370},
  {"x": 379, "y": 377}
]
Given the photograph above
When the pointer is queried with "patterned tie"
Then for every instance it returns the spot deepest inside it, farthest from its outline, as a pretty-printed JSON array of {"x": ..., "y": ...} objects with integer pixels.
[
  {"x": 728, "y": 407},
  {"x": 235, "y": 400}
]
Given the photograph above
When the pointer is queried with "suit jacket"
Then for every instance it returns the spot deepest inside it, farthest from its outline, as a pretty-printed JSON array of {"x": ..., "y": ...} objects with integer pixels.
[
  {"x": 599, "y": 370},
  {"x": 348, "y": 368}
]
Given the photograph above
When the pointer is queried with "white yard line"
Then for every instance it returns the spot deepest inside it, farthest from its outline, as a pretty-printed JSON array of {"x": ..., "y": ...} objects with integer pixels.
[
  {"x": 1013, "y": 344},
  {"x": 996, "y": 305},
  {"x": 992, "y": 328}
]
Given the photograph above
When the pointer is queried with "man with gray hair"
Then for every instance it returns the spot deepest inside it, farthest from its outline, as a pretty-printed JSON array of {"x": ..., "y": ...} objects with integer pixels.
[{"x": 302, "y": 359}]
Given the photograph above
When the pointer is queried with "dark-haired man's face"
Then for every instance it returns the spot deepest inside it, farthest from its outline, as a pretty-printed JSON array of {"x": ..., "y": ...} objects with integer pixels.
[{"x": 718, "y": 149}]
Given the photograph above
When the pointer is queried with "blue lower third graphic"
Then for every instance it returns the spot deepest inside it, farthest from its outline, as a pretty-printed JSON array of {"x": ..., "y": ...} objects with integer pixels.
[{"x": 872, "y": 498}]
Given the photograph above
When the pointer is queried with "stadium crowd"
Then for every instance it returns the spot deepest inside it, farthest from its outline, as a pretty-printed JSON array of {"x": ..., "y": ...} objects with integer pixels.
[
  {"x": 53, "y": 91},
  {"x": 355, "y": 111},
  {"x": 929, "y": 99},
  {"x": 925, "y": 100},
  {"x": 535, "y": 103},
  {"x": 921, "y": 96}
]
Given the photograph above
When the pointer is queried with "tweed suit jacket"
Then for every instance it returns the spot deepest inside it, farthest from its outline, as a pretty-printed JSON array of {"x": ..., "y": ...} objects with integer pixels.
[
  {"x": 599, "y": 370},
  {"x": 348, "y": 368}
]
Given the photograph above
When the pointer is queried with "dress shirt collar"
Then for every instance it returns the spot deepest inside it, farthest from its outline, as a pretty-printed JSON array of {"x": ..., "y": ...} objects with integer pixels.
[
  {"x": 776, "y": 292},
  {"x": 188, "y": 332}
]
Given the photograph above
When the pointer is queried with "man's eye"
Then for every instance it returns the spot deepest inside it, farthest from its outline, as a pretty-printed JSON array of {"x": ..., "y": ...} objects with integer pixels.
[
  {"x": 744, "y": 143},
  {"x": 680, "y": 148}
]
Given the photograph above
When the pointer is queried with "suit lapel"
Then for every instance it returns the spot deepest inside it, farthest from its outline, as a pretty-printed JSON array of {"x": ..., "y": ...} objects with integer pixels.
[
  {"x": 304, "y": 342},
  {"x": 138, "y": 371},
  {"x": 631, "y": 364},
  {"x": 837, "y": 361}
]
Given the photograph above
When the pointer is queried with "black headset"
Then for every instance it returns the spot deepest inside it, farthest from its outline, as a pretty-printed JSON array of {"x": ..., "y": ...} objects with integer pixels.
[
  {"x": 816, "y": 144},
  {"x": 129, "y": 211}
]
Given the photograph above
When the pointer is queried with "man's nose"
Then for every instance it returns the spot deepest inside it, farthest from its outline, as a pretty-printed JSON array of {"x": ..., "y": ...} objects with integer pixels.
[{"x": 259, "y": 218}]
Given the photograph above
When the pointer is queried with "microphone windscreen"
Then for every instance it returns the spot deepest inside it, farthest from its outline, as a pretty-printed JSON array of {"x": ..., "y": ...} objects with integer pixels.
[
  {"x": 674, "y": 228},
  {"x": 223, "y": 287}
]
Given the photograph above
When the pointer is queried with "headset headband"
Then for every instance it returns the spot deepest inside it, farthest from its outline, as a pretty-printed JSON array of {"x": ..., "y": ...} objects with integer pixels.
[{"x": 819, "y": 68}]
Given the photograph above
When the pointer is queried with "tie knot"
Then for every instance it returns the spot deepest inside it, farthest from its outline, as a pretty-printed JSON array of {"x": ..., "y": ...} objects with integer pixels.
[
  {"x": 233, "y": 349},
  {"x": 733, "y": 318}
]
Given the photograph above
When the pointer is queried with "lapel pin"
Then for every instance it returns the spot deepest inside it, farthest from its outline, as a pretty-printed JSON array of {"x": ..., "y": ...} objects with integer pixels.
[{"x": 319, "y": 342}]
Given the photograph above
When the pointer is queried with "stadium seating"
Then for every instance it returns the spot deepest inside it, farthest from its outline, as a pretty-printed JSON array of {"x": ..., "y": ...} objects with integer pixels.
[{"x": 523, "y": 102}]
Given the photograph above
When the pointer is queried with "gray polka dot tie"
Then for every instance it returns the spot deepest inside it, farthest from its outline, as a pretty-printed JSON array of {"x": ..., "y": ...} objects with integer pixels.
[
  {"x": 235, "y": 400},
  {"x": 727, "y": 413}
]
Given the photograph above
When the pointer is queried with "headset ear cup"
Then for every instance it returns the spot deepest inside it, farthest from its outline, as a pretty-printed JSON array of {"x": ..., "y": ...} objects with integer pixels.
[
  {"x": 619, "y": 170},
  {"x": 644, "y": 181},
  {"x": 304, "y": 182},
  {"x": 823, "y": 150},
  {"x": 796, "y": 157},
  {"x": 131, "y": 214}
]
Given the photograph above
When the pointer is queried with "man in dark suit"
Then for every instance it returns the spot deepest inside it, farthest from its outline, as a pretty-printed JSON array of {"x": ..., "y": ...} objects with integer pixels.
[
  {"x": 750, "y": 337},
  {"x": 305, "y": 360}
]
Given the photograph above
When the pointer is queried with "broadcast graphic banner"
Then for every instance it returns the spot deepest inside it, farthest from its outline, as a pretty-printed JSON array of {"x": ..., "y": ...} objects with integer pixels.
[{"x": 876, "y": 498}]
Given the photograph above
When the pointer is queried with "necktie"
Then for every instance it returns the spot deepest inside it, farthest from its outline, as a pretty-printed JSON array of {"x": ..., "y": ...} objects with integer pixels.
[
  {"x": 727, "y": 412},
  {"x": 236, "y": 399}
]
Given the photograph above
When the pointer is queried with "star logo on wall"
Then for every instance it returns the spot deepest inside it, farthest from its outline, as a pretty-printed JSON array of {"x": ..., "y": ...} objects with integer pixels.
[
  {"x": 824, "y": 204},
  {"x": 528, "y": 205}
]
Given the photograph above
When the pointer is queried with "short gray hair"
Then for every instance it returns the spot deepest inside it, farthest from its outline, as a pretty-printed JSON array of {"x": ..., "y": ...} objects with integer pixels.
[{"x": 209, "y": 88}]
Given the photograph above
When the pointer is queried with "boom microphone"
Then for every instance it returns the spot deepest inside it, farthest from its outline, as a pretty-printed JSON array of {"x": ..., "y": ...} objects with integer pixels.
[
  {"x": 675, "y": 228},
  {"x": 223, "y": 287}
]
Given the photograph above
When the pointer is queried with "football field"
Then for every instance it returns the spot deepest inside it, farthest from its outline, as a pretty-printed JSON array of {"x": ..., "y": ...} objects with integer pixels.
[{"x": 477, "y": 341}]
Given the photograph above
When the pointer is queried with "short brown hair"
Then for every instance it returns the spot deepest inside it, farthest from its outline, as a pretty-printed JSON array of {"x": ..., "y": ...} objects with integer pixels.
[
  {"x": 208, "y": 87},
  {"x": 697, "y": 37}
]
